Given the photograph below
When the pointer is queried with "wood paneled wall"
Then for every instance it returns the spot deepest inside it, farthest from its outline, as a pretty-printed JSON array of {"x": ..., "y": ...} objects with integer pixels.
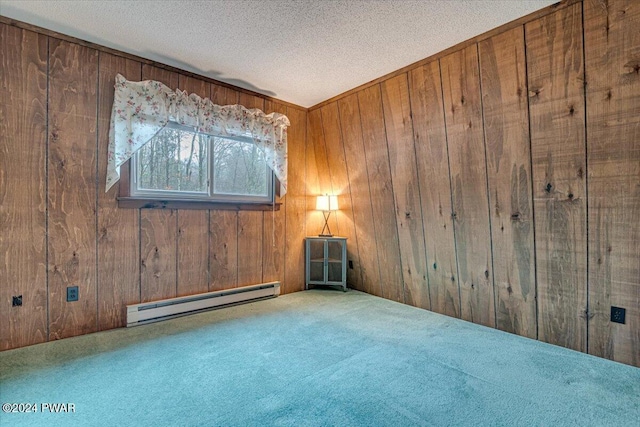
[
  {"x": 500, "y": 182},
  {"x": 59, "y": 227}
]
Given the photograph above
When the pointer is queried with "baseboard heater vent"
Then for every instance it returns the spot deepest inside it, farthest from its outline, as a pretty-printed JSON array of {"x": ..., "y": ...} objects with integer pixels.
[{"x": 140, "y": 314}]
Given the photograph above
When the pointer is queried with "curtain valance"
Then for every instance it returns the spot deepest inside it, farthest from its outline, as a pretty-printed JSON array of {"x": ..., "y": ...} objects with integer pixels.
[{"x": 142, "y": 109}]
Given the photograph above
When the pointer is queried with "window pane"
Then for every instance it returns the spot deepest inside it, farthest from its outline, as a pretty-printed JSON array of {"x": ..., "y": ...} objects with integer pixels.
[
  {"x": 239, "y": 168},
  {"x": 174, "y": 160}
]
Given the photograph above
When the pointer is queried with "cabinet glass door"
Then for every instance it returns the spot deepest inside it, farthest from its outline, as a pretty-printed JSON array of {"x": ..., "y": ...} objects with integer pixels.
[
  {"x": 334, "y": 261},
  {"x": 316, "y": 261}
]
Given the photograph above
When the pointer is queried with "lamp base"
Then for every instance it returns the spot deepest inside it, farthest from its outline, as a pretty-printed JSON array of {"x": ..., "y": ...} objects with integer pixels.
[{"x": 326, "y": 225}]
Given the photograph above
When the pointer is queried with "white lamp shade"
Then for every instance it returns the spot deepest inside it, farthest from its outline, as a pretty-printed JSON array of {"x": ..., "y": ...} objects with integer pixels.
[{"x": 327, "y": 203}]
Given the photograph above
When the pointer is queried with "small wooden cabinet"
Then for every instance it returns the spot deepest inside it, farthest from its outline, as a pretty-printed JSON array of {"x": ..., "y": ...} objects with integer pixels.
[{"x": 326, "y": 261}]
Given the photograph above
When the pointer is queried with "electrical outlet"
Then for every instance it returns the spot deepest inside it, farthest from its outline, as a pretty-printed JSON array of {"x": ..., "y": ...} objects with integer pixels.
[
  {"x": 72, "y": 293},
  {"x": 16, "y": 301},
  {"x": 618, "y": 314}
]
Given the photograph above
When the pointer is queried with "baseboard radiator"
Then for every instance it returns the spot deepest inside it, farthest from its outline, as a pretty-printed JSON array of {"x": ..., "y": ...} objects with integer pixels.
[{"x": 140, "y": 314}]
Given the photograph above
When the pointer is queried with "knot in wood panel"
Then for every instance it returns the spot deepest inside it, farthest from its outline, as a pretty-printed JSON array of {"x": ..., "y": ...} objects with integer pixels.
[{"x": 632, "y": 67}]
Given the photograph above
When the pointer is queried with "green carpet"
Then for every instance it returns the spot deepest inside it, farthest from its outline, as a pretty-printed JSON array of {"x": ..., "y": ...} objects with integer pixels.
[{"x": 316, "y": 358}]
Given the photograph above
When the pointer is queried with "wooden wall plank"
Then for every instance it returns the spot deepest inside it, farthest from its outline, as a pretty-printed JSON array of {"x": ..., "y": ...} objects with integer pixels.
[
  {"x": 318, "y": 177},
  {"x": 222, "y": 95},
  {"x": 23, "y": 124},
  {"x": 341, "y": 188},
  {"x": 295, "y": 208},
  {"x": 158, "y": 229},
  {"x": 612, "y": 45},
  {"x": 351, "y": 128},
  {"x": 381, "y": 189},
  {"x": 193, "y": 226},
  {"x": 249, "y": 247},
  {"x": 435, "y": 188},
  {"x": 556, "y": 104},
  {"x": 274, "y": 226},
  {"x": 463, "y": 114},
  {"x": 250, "y": 226},
  {"x": 118, "y": 229},
  {"x": 73, "y": 100},
  {"x": 506, "y": 128},
  {"x": 223, "y": 242},
  {"x": 404, "y": 176}
]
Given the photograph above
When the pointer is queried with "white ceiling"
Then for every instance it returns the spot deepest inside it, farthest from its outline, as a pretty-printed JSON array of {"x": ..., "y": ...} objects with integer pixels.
[{"x": 301, "y": 51}]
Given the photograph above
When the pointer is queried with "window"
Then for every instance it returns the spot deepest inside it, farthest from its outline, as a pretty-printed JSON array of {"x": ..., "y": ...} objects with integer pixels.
[{"x": 181, "y": 164}]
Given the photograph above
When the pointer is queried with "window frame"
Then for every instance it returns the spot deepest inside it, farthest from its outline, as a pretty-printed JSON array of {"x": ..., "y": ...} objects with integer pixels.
[{"x": 132, "y": 197}]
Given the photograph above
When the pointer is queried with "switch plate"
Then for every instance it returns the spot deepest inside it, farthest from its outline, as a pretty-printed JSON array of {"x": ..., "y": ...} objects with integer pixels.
[
  {"x": 72, "y": 293},
  {"x": 618, "y": 314}
]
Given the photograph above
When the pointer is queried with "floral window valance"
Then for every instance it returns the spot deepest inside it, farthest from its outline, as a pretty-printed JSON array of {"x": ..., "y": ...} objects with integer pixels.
[{"x": 142, "y": 109}]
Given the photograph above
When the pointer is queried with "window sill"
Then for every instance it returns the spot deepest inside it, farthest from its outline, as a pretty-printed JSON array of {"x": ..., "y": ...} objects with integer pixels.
[{"x": 141, "y": 203}]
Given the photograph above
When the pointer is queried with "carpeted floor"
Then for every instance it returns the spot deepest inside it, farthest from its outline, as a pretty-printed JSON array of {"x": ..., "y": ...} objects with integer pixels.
[{"x": 316, "y": 358}]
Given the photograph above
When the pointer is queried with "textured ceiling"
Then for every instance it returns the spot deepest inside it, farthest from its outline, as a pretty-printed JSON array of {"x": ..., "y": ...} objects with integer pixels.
[{"x": 303, "y": 51}]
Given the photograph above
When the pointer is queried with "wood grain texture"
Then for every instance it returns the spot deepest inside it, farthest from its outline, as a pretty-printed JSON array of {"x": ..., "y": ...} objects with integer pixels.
[
  {"x": 250, "y": 226},
  {"x": 249, "y": 248},
  {"x": 349, "y": 116},
  {"x": 118, "y": 229},
  {"x": 556, "y": 104},
  {"x": 23, "y": 123},
  {"x": 341, "y": 188},
  {"x": 612, "y": 64},
  {"x": 223, "y": 250},
  {"x": 193, "y": 226},
  {"x": 318, "y": 177},
  {"x": 295, "y": 209},
  {"x": 193, "y": 252},
  {"x": 222, "y": 95},
  {"x": 274, "y": 226},
  {"x": 463, "y": 114},
  {"x": 435, "y": 188},
  {"x": 506, "y": 129},
  {"x": 381, "y": 190},
  {"x": 406, "y": 190},
  {"x": 158, "y": 229},
  {"x": 72, "y": 150}
]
